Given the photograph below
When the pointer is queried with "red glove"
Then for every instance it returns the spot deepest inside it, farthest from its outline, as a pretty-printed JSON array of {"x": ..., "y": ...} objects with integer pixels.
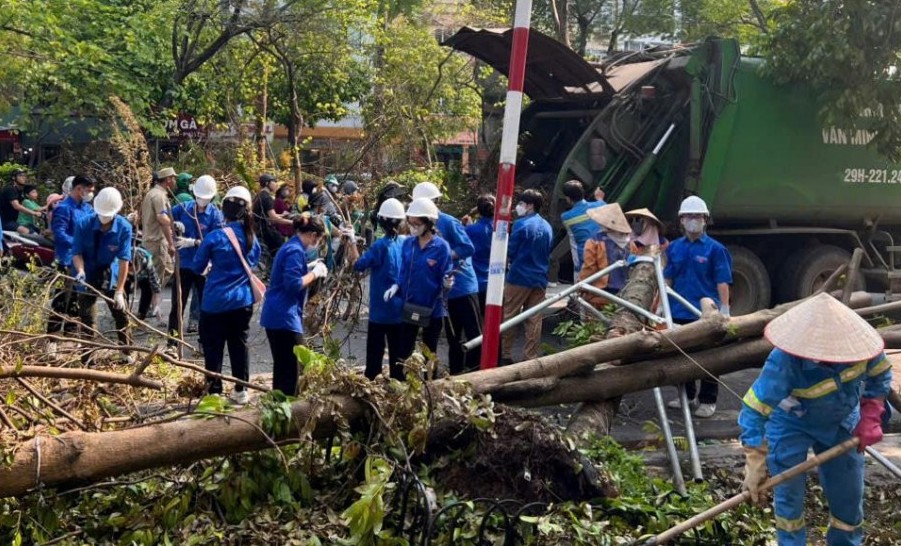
[{"x": 869, "y": 429}]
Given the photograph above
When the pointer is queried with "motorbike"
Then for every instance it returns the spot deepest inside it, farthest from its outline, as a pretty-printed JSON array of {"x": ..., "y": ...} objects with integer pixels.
[{"x": 28, "y": 249}]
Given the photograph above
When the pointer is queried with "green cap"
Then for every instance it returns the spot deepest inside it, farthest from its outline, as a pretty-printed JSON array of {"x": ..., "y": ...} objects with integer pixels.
[{"x": 183, "y": 181}]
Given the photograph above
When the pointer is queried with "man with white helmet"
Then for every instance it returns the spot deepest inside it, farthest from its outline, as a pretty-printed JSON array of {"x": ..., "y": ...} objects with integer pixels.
[
  {"x": 383, "y": 259},
  {"x": 101, "y": 257},
  {"x": 195, "y": 220},
  {"x": 698, "y": 267},
  {"x": 464, "y": 320}
]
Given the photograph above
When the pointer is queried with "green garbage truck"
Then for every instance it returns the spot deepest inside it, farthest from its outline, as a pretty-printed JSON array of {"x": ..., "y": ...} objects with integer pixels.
[{"x": 789, "y": 196}]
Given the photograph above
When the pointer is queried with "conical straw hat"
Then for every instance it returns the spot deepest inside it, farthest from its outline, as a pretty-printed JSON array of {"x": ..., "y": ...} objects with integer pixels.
[
  {"x": 611, "y": 218},
  {"x": 824, "y": 329},
  {"x": 646, "y": 213}
]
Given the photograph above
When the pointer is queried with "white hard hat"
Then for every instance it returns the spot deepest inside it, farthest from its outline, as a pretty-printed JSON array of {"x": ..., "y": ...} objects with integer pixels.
[
  {"x": 239, "y": 192},
  {"x": 67, "y": 185},
  {"x": 423, "y": 208},
  {"x": 108, "y": 202},
  {"x": 205, "y": 187},
  {"x": 427, "y": 190},
  {"x": 693, "y": 205},
  {"x": 392, "y": 208}
]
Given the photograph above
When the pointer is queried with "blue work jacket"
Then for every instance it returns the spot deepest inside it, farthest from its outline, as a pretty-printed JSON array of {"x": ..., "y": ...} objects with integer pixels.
[
  {"x": 209, "y": 220},
  {"x": 580, "y": 228},
  {"x": 66, "y": 216},
  {"x": 384, "y": 259},
  {"x": 283, "y": 308},
  {"x": 797, "y": 395},
  {"x": 480, "y": 234},
  {"x": 695, "y": 268},
  {"x": 451, "y": 230},
  {"x": 530, "y": 251},
  {"x": 422, "y": 273},
  {"x": 102, "y": 249},
  {"x": 227, "y": 286}
]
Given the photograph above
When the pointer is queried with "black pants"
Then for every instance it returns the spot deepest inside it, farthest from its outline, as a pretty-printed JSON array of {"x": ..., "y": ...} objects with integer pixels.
[
  {"x": 284, "y": 364},
  {"x": 462, "y": 324},
  {"x": 146, "y": 295},
  {"x": 483, "y": 296},
  {"x": 189, "y": 281},
  {"x": 86, "y": 301},
  {"x": 409, "y": 333},
  {"x": 376, "y": 337},
  {"x": 219, "y": 329},
  {"x": 710, "y": 387},
  {"x": 64, "y": 306}
]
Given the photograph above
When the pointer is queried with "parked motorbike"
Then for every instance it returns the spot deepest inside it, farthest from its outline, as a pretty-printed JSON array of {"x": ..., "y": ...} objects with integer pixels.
[{"x": 28, "y": 249}]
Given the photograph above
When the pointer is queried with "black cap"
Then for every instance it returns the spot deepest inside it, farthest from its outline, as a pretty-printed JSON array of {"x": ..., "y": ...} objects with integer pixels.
[{"x": 267, "y": 178}]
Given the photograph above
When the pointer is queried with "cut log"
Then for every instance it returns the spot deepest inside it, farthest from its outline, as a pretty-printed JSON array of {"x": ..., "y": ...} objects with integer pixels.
[{"x": 77, "y": 457}]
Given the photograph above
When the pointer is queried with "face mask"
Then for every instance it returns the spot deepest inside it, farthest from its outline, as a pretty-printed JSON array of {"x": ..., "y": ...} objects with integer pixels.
[
  {"x": 191, "y": 188},
  {"x": 521, "y": 209},
  {"x": 417, "y": 231},
  {"x": 202, "y": 202},
  {"x": 693, "y": 226},
  {"x": 637, "y": 226},
  {"x": 88, "y": 197},
  {"x": 312, "y": 253},
  {"x": 104, "y": 219},
  {"x": 621, "y": 239}
]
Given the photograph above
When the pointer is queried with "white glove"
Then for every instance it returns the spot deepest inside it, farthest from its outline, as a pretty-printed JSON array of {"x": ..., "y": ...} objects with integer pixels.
[
  {"x": 319, "y": 270},
  {"x": 119, "y": 301},
  {"x": 348, "y": 232},
  {"x": 185, "y": 242},
  {"x": 390, "y": 292},
  {"x": 178, "y": 227},
  {"x": 724, "y": 310},
  {"x": 80, "y": 278},
  {"x": 448, "y": 282},
  {"x": 336, "y": 244}
]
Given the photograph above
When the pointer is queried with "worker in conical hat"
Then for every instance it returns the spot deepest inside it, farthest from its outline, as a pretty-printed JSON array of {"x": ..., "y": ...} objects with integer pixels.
[
  {"x": 609, "y": 244},
  {"x": 825, "y": 382}
]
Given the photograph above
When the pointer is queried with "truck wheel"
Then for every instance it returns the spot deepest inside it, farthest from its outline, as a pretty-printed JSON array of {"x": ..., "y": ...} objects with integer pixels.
[
  {"x": 805, "y": 272},
  {"x": 751, "y": 287}
]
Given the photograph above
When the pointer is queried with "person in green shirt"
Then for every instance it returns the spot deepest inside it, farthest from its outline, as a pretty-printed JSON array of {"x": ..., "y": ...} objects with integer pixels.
[
  {"x": 183, "y": 188},
  {"x": 27, "y": 222}
]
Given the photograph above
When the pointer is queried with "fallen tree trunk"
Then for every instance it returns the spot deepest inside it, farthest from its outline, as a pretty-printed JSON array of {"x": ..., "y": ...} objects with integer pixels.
[
  {"x": 91, "y": 456},
  {"x": 79, "y": 373}
]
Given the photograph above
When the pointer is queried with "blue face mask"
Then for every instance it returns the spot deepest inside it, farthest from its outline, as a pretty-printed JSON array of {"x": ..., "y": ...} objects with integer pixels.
[{"x": 312, "y": 254}]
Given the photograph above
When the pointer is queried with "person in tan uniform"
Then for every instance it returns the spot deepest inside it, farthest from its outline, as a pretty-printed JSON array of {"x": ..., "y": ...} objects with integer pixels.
[{"x": 156, "y": 224}]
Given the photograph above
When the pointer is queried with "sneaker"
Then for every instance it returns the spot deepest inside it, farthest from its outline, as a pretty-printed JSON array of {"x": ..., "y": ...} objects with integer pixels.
[
  {"x": 239, "y": 397},
  {"x": 676, "y": 403},
  {"x": 705, "y": 410},
  {"x": 192, "y": 327}
]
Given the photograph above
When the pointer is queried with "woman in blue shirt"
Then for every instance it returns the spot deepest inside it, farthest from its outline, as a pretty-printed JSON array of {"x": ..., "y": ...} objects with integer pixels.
[
  {"x": 227, "y": 303},
  {"x": 423, "y": 279},
  {"x": 282, "y": 315},
  {"x": 384, "y": 260},
  {"x": 481, "y": 233}
]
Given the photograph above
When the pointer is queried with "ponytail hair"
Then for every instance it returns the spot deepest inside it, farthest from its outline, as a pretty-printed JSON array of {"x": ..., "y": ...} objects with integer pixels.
[{"x": 236, "y": 210}]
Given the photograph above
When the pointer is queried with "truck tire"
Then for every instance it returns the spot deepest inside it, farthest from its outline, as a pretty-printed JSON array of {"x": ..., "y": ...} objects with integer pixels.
[
  {"x": 751, "y": 288},
  {"x": 805, "y": 272}
]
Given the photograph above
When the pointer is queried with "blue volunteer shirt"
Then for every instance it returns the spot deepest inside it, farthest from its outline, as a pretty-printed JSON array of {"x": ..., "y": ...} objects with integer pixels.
[
  {"x": 480, "y": 234},
  {"x": 796, "y": 394},
  {"x": 384, "y": 259},
  {"x": 283, "y": 308},
  {"x": 227, "y": 286},
  {"x": 422, "y": 273},
  {"x": 209, "y": 220},
  {"x": 451, "y": 230},
  {"x": 695, "y": 268},
  {"x": 580, "y": 228},
  {"x": 530, "y": 251},
  {"x": 66, "y": 216},
  {"x": 102, "y": 249}
]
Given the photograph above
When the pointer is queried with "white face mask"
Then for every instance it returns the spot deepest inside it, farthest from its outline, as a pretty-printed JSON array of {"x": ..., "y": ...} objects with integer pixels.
[
  {"x": 88, "y": 197},
  {"x": 621, "y": 239},
  {"x": 191, "y": 188},
  {"x": 201, "y": 202},
  {"x": 521, "y": 209},
  {"x": 104, "y": 219},
  {"x": 417, "y": 231},
  {"x": 693, "y": 226}
]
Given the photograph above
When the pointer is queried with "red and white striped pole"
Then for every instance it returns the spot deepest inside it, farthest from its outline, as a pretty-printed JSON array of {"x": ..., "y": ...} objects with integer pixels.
[{"x": 494, "y": 309}]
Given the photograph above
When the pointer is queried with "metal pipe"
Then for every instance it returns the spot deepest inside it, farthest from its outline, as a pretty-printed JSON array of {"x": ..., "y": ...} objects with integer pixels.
[
  {"x": 694, "y": 454},
  {"x": 884, "y": 461},
  {"x": 676, "y": 296},
  {"x": 678, "y": 480},
  {"x": 628, "y": 305},
  {"x": 475, "y": 342}
]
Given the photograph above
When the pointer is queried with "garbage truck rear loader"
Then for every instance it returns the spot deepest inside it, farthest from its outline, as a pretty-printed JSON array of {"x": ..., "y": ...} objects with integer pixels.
[{"x": 789, "y": 196}]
